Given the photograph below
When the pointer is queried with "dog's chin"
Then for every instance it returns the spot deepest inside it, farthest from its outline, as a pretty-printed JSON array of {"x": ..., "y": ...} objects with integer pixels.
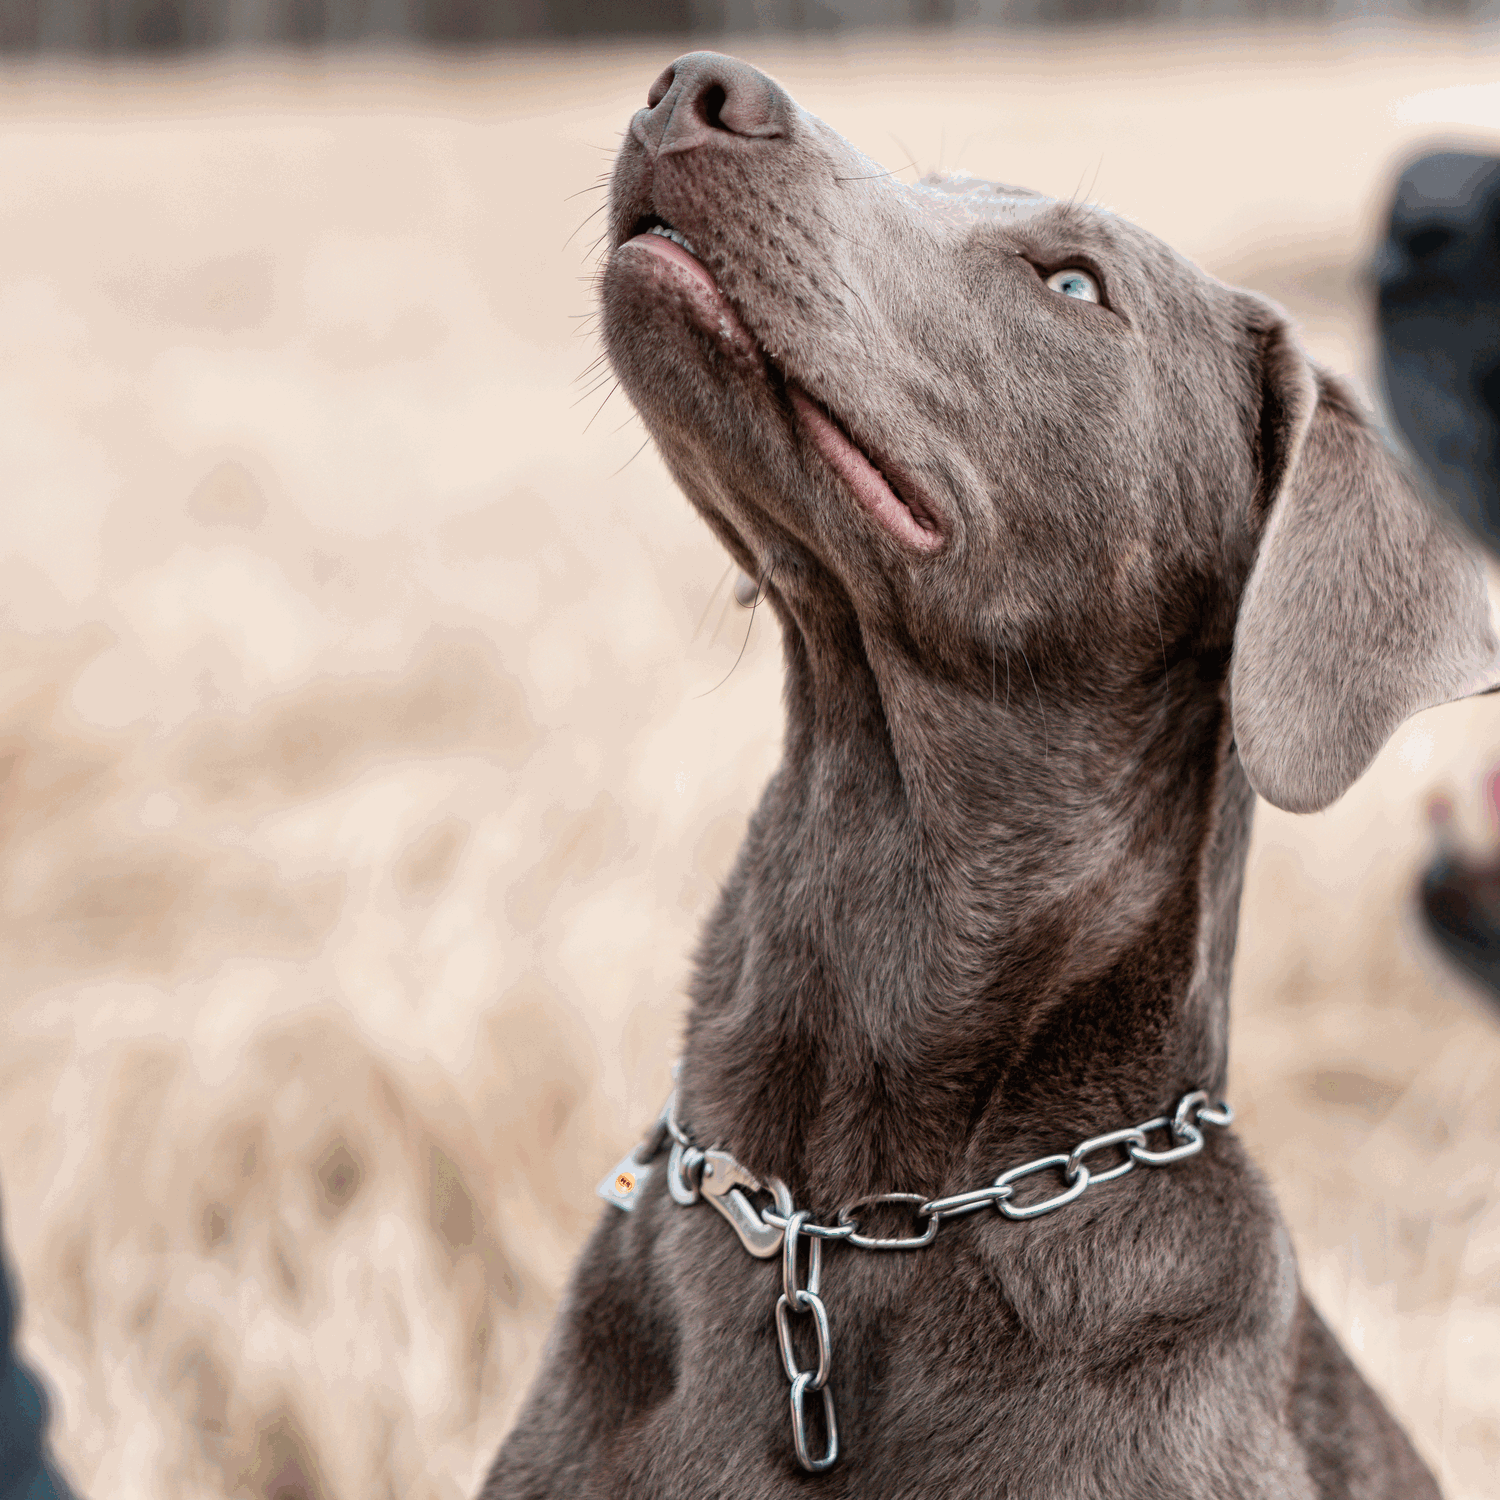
[
  {"x": 679, "y": 347},
  {"x": 684, "y": 354}
]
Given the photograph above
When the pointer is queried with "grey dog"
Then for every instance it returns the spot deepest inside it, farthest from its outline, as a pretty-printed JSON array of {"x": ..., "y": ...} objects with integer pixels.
[{"x": 1073, "y": 552}]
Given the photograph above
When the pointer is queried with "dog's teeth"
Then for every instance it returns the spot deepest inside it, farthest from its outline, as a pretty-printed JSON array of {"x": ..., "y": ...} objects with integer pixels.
[{"x": 676, "y": 236}]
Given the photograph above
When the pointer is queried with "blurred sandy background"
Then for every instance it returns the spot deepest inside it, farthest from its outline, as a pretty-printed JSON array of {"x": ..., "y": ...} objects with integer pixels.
[{"x": 374, "y": 743}]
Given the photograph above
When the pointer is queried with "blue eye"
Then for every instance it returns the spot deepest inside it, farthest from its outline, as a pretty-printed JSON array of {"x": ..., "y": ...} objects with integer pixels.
[{"x": 1074, "y": 283}]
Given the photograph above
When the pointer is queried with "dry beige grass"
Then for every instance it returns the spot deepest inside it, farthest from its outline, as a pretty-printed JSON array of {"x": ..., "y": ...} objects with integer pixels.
[{"x": 366, "y": 785}]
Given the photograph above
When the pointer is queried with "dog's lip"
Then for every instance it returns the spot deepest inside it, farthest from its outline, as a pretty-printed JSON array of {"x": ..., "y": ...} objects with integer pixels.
[
  {"x": 696, "y": 281},
  {"x": 909, "y": 520},
  {"x": 677, "y": 255}
]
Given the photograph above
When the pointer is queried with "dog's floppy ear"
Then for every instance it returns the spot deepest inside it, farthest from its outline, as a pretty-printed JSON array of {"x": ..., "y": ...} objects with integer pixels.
[{"x": 1361, "y": 607}]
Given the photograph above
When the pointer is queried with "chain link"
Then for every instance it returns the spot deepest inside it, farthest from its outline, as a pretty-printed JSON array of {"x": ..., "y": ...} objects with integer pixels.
[
  {"x": 1184, "y": 1124},
  {"x": 800, "y": 1295},
  {"x": 871, "y": 1242},
  {"x": 803, "y": 1300}
]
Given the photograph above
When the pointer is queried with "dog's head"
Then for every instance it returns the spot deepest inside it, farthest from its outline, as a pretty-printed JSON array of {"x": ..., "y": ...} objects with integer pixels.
[{"x": 970, "y": 418}]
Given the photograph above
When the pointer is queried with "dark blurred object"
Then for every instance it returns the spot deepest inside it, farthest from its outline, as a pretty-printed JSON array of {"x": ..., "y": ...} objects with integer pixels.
[
  {"x": 1461, "y": 897},
  {"x": 26, "y": 1472},
  {"x": 1438, "y": 290},
  {"x": 1437, "y": 277}
]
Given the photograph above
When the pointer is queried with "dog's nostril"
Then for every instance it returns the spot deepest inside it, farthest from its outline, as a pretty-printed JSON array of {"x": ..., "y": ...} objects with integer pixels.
[
  {"x": 658, "y": 90},
  {"x": 704, "y": 97}
]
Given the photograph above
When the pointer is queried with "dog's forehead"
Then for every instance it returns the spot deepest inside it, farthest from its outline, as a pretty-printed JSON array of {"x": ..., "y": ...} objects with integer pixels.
[{"x": 967, "y": 201}]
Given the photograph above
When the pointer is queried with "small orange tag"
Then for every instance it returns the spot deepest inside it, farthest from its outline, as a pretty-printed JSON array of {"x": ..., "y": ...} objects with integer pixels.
[{"x": 624, "y": 1185}]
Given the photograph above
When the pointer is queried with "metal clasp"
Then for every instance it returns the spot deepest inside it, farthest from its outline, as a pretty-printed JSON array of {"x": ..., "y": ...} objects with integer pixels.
[
  {"x": 722, "y": 1179},
  {"x": 721, "y": 1173},
  {"x": 684, "y": 1170}
]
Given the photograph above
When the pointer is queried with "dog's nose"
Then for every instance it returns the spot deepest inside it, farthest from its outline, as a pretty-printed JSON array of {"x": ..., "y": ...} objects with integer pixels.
[{"x": 705, "y": 94}]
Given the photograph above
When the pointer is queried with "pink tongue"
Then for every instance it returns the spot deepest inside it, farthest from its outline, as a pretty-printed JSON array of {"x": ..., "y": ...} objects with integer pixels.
[{"x": 867, "y": 482}]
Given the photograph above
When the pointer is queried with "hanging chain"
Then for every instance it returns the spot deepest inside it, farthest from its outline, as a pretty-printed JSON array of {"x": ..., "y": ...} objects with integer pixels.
[
  {"x": 805, "y": 1302},
  {"x": 716, "y": 1177}
]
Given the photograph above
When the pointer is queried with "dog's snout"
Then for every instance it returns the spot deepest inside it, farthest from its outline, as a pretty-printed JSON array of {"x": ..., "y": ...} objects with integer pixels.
[{"x": 705, "y": 94}]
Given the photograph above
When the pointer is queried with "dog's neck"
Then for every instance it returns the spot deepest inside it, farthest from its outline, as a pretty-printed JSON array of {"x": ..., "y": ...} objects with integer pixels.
[{"x": 965, "y": 924}]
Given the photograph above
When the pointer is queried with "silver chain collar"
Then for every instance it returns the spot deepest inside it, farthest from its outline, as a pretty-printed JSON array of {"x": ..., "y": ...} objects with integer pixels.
[{"x": 715, "y": 1177}]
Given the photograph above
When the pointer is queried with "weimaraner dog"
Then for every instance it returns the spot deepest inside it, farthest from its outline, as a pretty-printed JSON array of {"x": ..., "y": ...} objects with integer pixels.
[{"x": 1073, "y": 552}]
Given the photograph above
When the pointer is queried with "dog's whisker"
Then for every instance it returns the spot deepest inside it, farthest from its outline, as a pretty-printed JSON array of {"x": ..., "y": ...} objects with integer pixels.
[
  {"x": 632, "y": 457},
  {"x": 602, "y": 405},
  {"x": 594, "y": 387},
  {"x": 866, "y": 334},
  {"x": 873, "y": 176},
  {"x": 582, "y": 222},
  {"x": 749, "y": 625},
  {"x": 709, "y": 603},
  {"x": 1094, "y": 181},
  {"x": 1161, "y": 639},
  {"x": 910, "y": 155},
  {"x": 1072, "y": 202},
  {"x": 724, "y": 610}
]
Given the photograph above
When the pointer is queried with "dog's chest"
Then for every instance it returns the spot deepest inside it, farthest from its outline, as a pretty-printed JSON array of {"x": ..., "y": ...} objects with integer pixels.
[{"x": 973, "y": 1365}]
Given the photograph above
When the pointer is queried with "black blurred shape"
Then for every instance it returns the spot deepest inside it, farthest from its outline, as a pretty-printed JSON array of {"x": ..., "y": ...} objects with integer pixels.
[
  {"x": 26, "y": 1468},
  {"x": 1438, "y": 299},
  {"x": 1461, "y": 903},
  {"x": 1437, "y": 278}
]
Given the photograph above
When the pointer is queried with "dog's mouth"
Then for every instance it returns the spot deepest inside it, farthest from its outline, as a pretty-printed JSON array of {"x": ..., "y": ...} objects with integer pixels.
[{"x": 896, "y": 503}]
